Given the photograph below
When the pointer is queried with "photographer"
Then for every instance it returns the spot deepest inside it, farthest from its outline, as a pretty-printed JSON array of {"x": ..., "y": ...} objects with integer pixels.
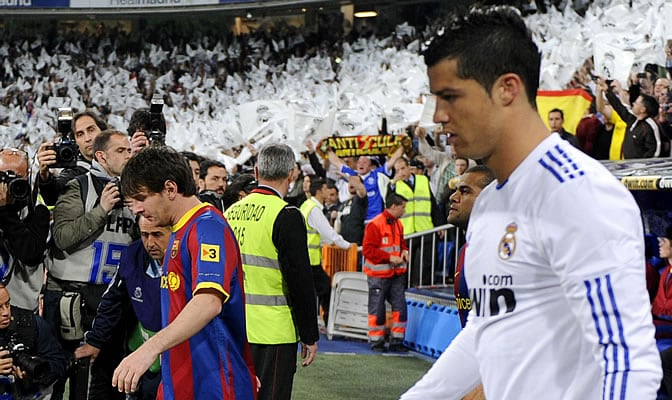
[
  {"x": 23, "y": 231},
  {"x": 91, "y": 228},
  {"x": 147, "y": 126},
  {"x": 84, "y": 128},
  {"x": 30, "y": 352}
]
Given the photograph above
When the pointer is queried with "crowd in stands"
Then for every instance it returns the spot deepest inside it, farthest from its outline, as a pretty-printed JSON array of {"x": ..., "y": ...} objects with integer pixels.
[{"x": 206, "y": 81}]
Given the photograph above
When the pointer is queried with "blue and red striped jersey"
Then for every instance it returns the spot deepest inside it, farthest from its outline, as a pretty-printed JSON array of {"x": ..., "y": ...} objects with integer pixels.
[{"x": 215, "y": 363}]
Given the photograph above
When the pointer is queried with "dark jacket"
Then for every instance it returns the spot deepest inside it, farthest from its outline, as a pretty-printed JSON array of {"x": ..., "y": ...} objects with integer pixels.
[
  {"x": 131, "y": 296},
  {"x": 23, "y": 242},
  {"x": 39, "y": 340},
  {"x": 642, "y": 137},
  {"x": 55, "y": 185}
]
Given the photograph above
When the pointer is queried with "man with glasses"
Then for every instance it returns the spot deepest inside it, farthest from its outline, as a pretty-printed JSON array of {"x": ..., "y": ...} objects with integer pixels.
[
  {"x": 85, "y": 127},
  {"x": 23, "y": 230}
]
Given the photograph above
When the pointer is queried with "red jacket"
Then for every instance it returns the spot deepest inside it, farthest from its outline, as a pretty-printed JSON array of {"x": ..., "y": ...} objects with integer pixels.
[
  {"x": 662, "y": 304},
  {"x": 383, "y": 237}
]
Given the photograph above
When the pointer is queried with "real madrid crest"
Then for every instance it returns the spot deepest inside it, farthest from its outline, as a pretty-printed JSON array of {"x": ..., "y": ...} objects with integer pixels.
[{"x": 507, "y": 246}]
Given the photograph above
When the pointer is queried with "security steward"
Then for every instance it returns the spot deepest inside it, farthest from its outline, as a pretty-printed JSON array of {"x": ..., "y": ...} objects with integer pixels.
[
  {"x": 280, "y": 306},
  {"x": 422, "y": 214}
]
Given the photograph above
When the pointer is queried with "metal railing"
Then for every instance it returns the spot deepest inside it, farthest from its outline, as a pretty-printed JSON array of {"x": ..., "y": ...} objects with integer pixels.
[{"x": 438, "y": 273}]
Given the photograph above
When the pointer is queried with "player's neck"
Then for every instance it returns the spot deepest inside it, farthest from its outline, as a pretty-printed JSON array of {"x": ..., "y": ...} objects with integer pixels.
[
  {"x": 519, "y": 139},
  {"x": 182, "y": 205}
]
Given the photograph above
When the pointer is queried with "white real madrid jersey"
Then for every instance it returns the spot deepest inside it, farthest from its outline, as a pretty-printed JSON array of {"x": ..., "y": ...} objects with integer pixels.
[{"x": 555, "y": 269}]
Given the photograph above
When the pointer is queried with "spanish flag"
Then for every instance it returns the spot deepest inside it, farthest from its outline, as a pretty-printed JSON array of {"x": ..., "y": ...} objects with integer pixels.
[{"x": 574, "y": 103}]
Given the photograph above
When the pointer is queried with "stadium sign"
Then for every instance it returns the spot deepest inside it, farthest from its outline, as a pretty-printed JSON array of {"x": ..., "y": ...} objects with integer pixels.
[
  {"x": 34, "y": 3},
  {"x": 138, "y": 3}
]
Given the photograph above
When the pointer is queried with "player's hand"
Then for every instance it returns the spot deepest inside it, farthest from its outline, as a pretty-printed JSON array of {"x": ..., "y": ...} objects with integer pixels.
[
  {"x": 128, "y": 373},
  {"x": 308, "y": 353},
  {"x": 138, "y": 142},
  {"x": 109, "y": 197},
  {"x": 46, "y": 157},
  {"x": 86, "y": 350}
]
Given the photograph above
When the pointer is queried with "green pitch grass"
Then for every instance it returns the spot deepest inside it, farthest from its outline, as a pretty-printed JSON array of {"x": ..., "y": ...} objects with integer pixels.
[{"x": 354, "y": 377}]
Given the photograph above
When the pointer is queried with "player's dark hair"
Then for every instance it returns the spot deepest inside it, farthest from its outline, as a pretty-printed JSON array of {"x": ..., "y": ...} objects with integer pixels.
[
  {"x": 152, "y": 167},
  {"x": 487, "y": 43},
  {"x": 486, "y": 175}
]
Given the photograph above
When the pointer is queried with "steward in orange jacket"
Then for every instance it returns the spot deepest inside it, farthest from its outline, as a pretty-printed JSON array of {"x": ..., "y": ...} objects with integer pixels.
[{"x": 385, "y": 264}]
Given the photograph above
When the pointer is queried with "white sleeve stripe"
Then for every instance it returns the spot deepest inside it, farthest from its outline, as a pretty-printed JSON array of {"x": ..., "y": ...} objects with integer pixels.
[{"x": 610, "y": 315}]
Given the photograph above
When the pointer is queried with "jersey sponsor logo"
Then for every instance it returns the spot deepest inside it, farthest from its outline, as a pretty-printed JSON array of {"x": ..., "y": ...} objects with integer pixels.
[
  {"x": 489, "y": 300},
  {"x": 209, "y": 252},
  {"x": 463, "y": 303},
  {"x": 173, "y": 250},
  {"x": 507, "y": 246},
  {"x": 171, "y": 281}
]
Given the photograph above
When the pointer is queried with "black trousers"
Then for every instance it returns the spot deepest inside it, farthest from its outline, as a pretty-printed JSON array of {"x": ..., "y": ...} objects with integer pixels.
[
  {"x": 275, "y": 366},
  {"x": 322, "y": 289}
]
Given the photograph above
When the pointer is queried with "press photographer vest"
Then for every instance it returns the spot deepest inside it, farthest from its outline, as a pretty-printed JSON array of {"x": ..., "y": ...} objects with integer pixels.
[{"x": 97, "y": 262}]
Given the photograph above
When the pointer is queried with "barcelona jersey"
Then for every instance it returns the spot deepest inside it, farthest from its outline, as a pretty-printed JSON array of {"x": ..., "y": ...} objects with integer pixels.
[{"x": 215, "y": 363}]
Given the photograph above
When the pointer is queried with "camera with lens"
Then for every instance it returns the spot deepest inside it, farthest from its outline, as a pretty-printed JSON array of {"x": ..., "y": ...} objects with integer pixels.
[
  {"x": 17, "y": 186},
  {"x": 36, "y": 368},
  {"x": 157, "y": 125},
  {"x": 117, "y": 183},
  {"x": 66, "y": 148}
]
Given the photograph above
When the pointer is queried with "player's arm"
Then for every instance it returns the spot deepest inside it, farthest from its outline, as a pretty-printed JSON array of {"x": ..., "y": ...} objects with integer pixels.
[
  {"x": 198, "y": 312},
  {"x": 598, "y": 254},
  {"x": 453, "y": 375}
]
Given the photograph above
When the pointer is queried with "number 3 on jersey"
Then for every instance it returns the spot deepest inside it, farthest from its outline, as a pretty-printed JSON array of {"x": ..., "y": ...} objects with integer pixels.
[{"x": 210, "y": 252}]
